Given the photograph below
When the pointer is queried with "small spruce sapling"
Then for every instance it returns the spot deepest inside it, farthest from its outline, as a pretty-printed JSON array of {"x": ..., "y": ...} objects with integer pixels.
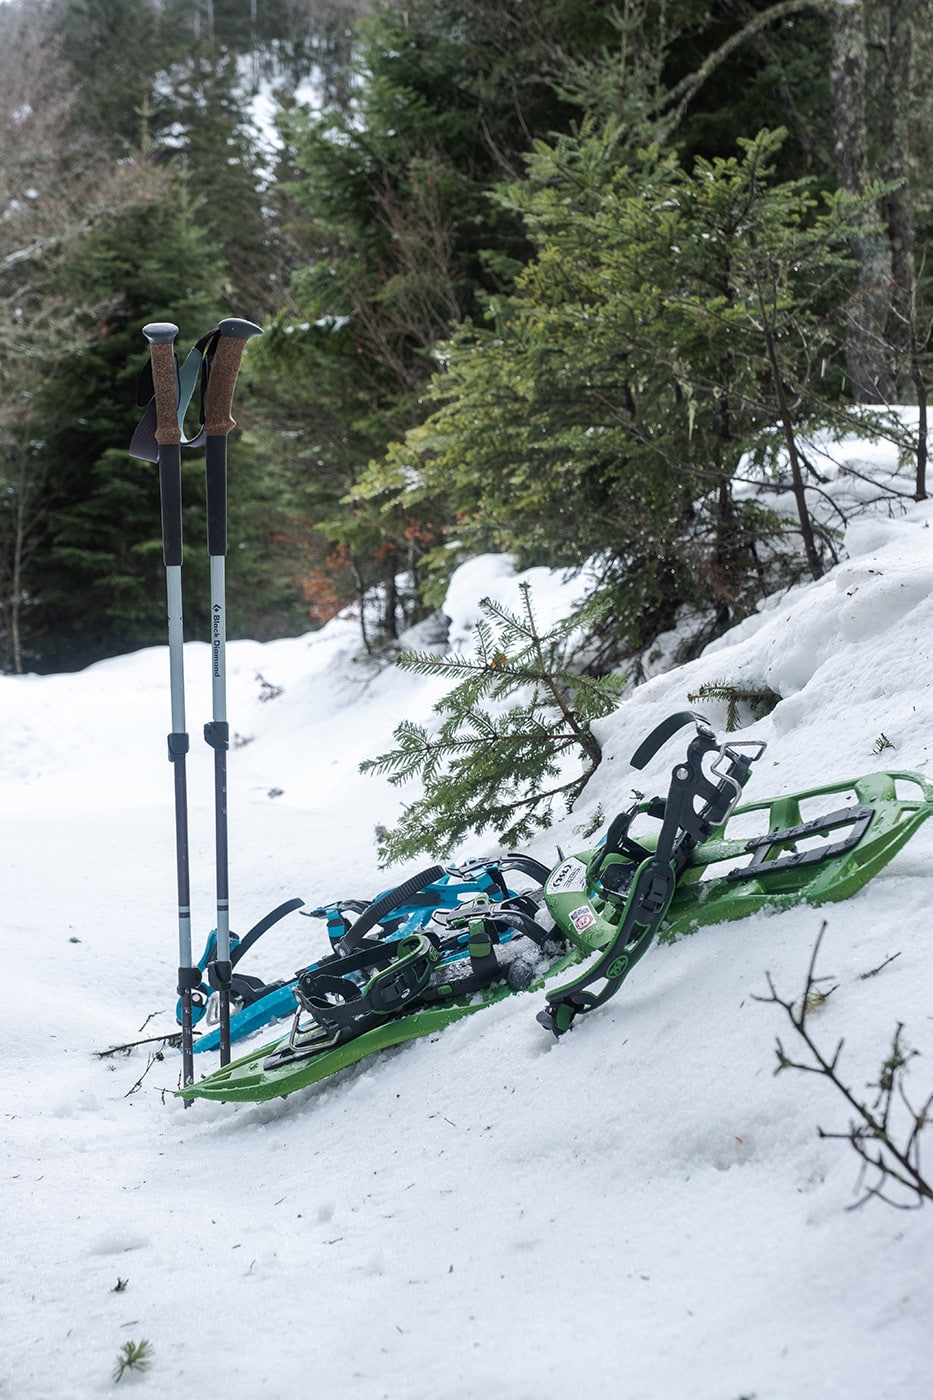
[
  {"x": 133, "y": 1356},
  {"x": 489, "y": 766}
]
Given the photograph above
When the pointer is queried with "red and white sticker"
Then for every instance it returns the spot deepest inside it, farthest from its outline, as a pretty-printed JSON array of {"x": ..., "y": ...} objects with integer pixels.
[{"x": 582, "y": 918}]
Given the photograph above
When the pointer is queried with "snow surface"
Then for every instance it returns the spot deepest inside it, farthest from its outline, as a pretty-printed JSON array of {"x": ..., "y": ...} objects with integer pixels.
[{"x": 640, "y": 1211}]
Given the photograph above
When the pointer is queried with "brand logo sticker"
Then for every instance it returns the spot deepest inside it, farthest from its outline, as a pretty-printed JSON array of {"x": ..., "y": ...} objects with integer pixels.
[{"x": 569, "y": 876}]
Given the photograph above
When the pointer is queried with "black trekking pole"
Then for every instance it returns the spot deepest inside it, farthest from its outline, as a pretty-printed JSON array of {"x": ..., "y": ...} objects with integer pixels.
[
  {"x": 161, "y": 336},
  {"x": 221, "y": 367}
]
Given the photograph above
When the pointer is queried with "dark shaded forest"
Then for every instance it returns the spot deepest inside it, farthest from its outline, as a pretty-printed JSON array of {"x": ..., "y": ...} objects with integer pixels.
[{"x": 561, "y": 279}]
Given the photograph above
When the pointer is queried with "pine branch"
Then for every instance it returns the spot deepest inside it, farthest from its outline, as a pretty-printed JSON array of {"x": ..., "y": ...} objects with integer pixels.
[
  {"x": 488, "y": 768},
  {"x": 761, "y": 700}
]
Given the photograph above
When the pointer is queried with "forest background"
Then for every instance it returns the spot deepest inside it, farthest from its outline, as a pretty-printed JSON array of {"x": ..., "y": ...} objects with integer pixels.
[{"x": 573, "y": 281}]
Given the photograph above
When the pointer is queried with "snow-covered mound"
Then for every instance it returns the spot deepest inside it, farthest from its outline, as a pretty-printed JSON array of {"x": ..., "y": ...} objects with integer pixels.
[{"x": 641, "y": 1211}]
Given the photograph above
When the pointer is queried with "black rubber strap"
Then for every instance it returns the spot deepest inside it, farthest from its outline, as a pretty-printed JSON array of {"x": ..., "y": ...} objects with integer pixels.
[
  {"x": 518, "y": 914},
  {"x": 247, "y": 990},
  {"x": 527, "y": 864},
  {"x": 265, "y": 923},
  {"x": 385, "y": 904},
  {"x": 659, "y": 736},
  {"x": 345, "y": 1009}
]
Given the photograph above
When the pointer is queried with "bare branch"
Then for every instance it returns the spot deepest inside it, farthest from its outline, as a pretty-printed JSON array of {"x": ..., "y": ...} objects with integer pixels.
[{"x": 894, "y": 1159}]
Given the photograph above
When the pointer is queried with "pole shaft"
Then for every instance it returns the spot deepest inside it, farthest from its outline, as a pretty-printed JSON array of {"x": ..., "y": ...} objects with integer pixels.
[
  {"x": 176, "y": 647},
  {"x": 217, "y": 734},
  {"x": 161, "y": 336},
  {"x": 224, "y": 368},
  {"x": 184, "y": 916}
]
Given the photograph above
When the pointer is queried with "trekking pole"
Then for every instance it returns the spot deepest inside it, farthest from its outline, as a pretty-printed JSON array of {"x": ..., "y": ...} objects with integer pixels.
[
  {"x": 161, "y": 337},
  {"x": 222, "y": 365}
]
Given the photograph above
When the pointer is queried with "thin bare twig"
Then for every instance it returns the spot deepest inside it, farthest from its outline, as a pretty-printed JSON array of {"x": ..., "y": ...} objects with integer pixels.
[{"x": 886, "y": 1161}]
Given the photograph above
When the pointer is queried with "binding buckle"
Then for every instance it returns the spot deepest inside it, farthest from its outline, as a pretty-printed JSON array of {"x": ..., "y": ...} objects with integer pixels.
[{"x": 343, "y": 1007}]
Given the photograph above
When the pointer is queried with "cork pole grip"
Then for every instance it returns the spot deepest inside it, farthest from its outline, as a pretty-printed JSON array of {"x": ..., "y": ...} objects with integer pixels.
[
  {"x": 161, "y": 336},
  {"x": 225, "y": 366}
]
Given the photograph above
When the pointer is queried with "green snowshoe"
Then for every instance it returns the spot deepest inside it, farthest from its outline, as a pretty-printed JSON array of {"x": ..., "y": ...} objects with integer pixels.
[{"x": 703, "y": 860}]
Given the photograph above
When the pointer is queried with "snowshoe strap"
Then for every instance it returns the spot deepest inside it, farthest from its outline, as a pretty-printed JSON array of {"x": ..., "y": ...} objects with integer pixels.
[
  {"x": 338, "y": 925},
  {"x": 618, "y": 841},
  {"x": 412, "y": 971},
  {"x": 519, "y": 915},
  {"x": 648, "y": 900},
  {"x": 490, "y": 874},
  {"x": 402, "y": 894},
  {"x": 527, "y": 865},
  {"x": 655, "y": 741},
  {"x": 644, "y": 900},
  {"x": 264, "y": 924},
  {"x": 246, "y": 991}
]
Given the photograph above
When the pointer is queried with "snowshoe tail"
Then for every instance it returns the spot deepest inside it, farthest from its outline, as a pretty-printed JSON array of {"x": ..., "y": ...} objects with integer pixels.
[{"x": 813, "y": 847}]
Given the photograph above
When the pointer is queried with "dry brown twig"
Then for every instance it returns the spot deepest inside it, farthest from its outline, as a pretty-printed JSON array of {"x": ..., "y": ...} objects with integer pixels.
[{"x": 888, "y": 1146}]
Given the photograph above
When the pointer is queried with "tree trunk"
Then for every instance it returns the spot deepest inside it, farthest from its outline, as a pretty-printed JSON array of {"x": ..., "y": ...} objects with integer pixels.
[
  {"x": 895, "y": 119},
  {"x": 868, "y": 357}
]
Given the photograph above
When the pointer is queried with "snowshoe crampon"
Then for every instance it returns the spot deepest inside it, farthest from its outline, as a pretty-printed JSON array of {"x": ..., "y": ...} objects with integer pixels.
[{"x": 665, "y": 867}]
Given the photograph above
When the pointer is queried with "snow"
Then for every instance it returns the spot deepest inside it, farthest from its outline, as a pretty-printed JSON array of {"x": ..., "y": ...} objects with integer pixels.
[{"x": 642, "y": 1210}]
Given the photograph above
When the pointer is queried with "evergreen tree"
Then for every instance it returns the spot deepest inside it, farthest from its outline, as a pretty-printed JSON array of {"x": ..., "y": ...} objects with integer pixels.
[
  {"x": 391, "y": 212},
  {"x": 157, "y": 83},
  {"x": 169, "y": 110},
  {"x": 669, "y": 322},
  {"x": 55, "y": 190},
  {"x": 216, "y": 150},
  {"x": 460, "y": 195},
  {"x": 116, "y": 50},
  {"x": 97, "y": 578},
  {"x": 732, "y": 67}
]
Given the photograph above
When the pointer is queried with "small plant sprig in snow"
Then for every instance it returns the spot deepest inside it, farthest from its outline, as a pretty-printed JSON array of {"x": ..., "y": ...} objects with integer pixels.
[
  {"x": 760, "y": 700},
  {"x": 133, "y": 1356}
]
